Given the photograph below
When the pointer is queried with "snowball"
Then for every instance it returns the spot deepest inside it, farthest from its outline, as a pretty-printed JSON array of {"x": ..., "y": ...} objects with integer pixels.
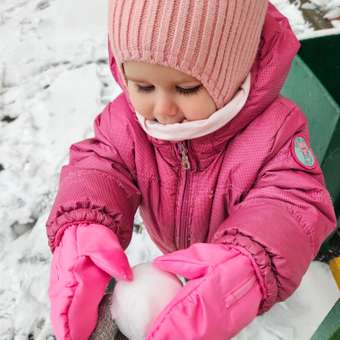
[{"x": 135, "y": 304}]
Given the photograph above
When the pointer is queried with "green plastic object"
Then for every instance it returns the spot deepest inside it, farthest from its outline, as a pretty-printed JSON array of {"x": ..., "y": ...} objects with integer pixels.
[
  {"x": 304, "y": 88},
  {"x": 323, "y": 114},
  {"x": 330, "y": 326},
  {"x": 322, "y": 55}
]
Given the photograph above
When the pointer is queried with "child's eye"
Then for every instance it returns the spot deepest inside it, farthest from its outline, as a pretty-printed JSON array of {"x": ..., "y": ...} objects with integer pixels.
[
  {"x": 181, "y": 90},
  {"x": 189, "y": 91}
]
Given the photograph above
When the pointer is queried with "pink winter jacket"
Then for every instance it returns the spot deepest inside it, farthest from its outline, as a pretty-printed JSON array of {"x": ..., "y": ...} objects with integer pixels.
[{"x": 242, "y": 185}]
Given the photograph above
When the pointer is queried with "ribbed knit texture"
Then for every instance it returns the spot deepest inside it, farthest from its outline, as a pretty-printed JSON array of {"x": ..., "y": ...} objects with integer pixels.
[{"x": 214, "y": 41}]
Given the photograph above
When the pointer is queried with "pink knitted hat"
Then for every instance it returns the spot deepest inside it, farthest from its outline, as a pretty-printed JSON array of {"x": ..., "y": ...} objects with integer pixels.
[{"x": 214, "y": 41}]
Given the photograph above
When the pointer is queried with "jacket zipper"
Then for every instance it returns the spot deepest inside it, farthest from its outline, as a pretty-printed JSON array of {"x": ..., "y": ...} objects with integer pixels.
[
  {"x": 183, "y": 240},
  {"x": 184, "y": 156}
]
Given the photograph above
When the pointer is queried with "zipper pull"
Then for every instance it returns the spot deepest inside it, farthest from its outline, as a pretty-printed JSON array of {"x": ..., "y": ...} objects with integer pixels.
[{"x": 184, "y": 154}]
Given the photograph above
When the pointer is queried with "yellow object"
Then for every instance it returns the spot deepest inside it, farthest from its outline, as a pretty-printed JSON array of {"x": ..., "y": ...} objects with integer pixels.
[{"x": 335, "y": 268}]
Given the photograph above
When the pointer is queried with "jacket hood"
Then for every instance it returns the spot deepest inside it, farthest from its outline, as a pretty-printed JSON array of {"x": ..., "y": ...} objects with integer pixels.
[{"x": 277, "y": 49}]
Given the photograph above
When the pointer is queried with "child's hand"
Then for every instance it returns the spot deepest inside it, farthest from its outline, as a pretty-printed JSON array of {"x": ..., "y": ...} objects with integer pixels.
[
  {"x": 221, "y": 298},
  {"x": 82, "y": 266}
]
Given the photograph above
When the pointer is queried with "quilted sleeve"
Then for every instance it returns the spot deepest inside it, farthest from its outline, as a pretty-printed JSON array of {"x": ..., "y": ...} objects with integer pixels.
[
  {"x": 97, "y": 185},
  {"x": 286, "y": 215}
]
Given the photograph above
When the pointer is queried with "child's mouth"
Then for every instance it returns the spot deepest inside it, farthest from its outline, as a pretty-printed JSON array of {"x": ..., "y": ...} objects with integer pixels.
[{"x": 182, "y": 121}]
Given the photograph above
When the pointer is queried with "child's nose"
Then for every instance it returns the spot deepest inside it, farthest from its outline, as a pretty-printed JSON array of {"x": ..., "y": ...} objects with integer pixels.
[{"x": 166, "y": 111}]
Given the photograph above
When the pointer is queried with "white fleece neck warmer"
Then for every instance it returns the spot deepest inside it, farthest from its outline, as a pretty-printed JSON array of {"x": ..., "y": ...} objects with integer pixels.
[{"x": 197, "y": 128}]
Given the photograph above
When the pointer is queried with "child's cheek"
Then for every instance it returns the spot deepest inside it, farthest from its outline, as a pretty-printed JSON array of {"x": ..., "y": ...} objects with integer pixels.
[
  {"x": 200, "y": 112},
  {"x": 200, "y": 106},
  {"x": 134, "y": 97},
  {"x": 142, "y": 106}
]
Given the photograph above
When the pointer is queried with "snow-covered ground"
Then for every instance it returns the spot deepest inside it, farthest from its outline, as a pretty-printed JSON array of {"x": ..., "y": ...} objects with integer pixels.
[{"x": 54, "y": 80}]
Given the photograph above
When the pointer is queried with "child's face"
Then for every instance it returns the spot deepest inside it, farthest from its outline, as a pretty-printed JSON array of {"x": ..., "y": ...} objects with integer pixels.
[{"x": 166, "y": 95}]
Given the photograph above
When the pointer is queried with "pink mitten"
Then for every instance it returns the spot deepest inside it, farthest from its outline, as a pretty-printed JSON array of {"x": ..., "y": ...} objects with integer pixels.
[
  {"x": 222, "y": 296},
  {"x": 83, "y": 263}
]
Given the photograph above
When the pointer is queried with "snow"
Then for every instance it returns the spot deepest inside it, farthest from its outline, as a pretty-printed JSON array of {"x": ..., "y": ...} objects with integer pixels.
[
  {"x": 303, "y": 29},
  {"x": 54, "y": 80},
  {"x": 135, "y": 304},
  {"x": 292, "y": 12}
]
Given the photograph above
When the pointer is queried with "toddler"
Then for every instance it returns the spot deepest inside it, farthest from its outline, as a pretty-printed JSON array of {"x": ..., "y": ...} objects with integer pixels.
[{"x": 217, "y": 161}]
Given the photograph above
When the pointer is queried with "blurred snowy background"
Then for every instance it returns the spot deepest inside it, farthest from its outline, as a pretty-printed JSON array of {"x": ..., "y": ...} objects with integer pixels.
[{"x": 54, "y": 80}]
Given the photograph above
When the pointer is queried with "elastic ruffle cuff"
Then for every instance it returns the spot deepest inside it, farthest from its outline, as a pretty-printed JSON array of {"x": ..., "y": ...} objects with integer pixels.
[{"x": 83, "y": 212}]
